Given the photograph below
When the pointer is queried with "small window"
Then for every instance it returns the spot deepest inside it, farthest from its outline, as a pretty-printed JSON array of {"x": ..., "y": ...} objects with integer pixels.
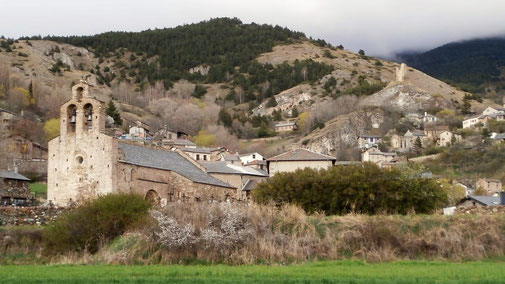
[
  {"x": 205, "y": 157},
  {"x": 197, "y": 157},
  {"x": 254, "y": 156},
  {"x": 80, "y": 159}
]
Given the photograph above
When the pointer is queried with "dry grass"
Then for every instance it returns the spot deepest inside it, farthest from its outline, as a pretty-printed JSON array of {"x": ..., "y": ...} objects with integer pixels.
[{"x": 240, "y": 234}]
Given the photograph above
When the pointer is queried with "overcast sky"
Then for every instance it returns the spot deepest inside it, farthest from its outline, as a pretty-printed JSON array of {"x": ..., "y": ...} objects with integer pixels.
[{"x": 380, "y": 27}]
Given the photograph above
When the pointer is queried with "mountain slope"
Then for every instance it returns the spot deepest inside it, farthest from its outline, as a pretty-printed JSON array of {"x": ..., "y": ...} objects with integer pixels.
[{"x": 472, "y": 65}]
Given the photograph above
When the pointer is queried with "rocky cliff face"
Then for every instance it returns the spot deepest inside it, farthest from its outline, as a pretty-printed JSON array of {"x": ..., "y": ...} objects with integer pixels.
[
  {"x": 406, "y": 99},
  {"x": 342, "y": 132}
]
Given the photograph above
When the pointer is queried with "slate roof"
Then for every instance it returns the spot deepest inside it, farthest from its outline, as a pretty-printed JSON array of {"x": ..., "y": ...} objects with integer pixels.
[
  {"x": 369, "y": 136},
  {"x": 250, "y": 184},
  {"x": 196, "y": 150},
  {"x": 286, "y": 123},
  {"x": 8, "y": 111},
  {"x": 13, "y": 175},
  {"x": 225, "y": 168},
  {"x": 183, "y": 142},
  {"x": 230, "y": 157},
  {"x": 499, "y": 136},
  {"x": 166, "y": 160},
  {"x": 301, "y": 155},
  {"x": 486, "y": 200}
]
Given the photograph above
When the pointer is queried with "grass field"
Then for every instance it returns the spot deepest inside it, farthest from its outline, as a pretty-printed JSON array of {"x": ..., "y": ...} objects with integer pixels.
[
  {"x": 40, "y": 188},
  {"x": 318, "y": 272}
]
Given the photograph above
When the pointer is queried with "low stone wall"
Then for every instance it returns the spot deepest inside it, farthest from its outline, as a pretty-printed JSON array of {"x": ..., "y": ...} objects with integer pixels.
[
  {"x": 480, "y": 210},
  {"x": 22, "y": 216}
]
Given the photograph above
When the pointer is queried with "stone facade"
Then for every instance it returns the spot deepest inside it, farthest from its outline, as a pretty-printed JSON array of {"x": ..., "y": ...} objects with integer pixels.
[
  {"x": 84, "y": 162},
  {"x": 491, "y": 186},
  {"x": 14, "y": 189}
]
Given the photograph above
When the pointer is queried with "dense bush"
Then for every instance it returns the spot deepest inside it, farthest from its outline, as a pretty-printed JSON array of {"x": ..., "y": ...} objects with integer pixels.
[
  {"x": 364, "y": 189},
  {"x": 95, "y": 222}
]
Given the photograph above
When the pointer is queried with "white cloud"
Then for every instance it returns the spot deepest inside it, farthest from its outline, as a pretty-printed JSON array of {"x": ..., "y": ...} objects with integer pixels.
[{"x": 377, "y": 26}]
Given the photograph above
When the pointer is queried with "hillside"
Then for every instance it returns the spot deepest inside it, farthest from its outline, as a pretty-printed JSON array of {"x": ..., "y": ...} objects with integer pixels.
[
  {"x": 221, "y": 81},
  {"x": 473, "y": 65}
]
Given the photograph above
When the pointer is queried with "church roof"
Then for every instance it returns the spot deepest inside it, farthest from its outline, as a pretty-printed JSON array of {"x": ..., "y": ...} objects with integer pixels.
[
  {"x": 166, "y": 160},
  {"x": 301, "y": 155}
]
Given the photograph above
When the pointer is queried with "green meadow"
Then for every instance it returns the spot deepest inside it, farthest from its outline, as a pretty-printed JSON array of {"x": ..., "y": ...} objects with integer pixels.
[{"x": 316, "y": 272}]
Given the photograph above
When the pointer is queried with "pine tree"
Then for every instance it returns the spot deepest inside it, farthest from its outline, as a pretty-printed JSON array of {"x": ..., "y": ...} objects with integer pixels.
[
  {"x": 418, "y": 143},
  {"x": 112, "y": 111},
  {"x": 272, "y": 102},
  {"x": 294, "y": 112}
]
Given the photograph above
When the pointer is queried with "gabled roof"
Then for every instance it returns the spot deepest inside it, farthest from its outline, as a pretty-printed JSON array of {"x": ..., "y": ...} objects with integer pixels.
[
  {"x": 285, "y": 123},
  {"x": 369, "y": 136},
  {"x": 230, "y": 157},
  {"x": 196, "y": 150},
  {"x": 486, "y": 200},
  {"x": 181, "y": 142},
  {"x": 12, "y": 175},
  {"x": 301, "y": 155},
  {"x": 166, "y": 160},
  {"x": 250, "y": 184},
  {"x": 225, "y": 168}
]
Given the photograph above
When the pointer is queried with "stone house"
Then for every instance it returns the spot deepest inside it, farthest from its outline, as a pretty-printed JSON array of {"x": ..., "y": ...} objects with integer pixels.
[
  {"x": 241, "y": 177},
  {"x": 375, "y": 155},
  {"x": 197, "y": 153},
  {"x": 491, "y": 186},
  {"x": 257, "y": 164},
  {"x": 366, "y": 141},
  {"x": 6, "y": 117},
  {"x": 490, "y": 113},
  {"x": 446, "y": 138},
  {"x": 298, "y": 159},
  {"x": 167, "y": 133},
  {"x": 14, "y": 189},
  {"x": 139, "y": 130},
  {"x": 482, "y": 201},
  {"x": 286, "y": 126},
  {"x": 249, "y": 157},
  {"x": 428, "y": 118},
  {"x": 408, "y": 140},
  {"x": 433, "y": 132},
  {"x": 25, "y": 156},
  {"x": 230, "y": 158},
  {"x": 84, "y": 162}
]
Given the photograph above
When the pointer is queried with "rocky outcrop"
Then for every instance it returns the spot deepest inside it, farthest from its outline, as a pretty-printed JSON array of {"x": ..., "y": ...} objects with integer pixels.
[
  {"x": 342, "y": 132},
  {"x": 405, "y": 98},
  {"x": 298, "y": 96}
]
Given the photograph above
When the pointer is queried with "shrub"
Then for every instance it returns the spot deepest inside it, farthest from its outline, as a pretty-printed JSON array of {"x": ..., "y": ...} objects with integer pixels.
[
  {"x": 95, "y": 222},
  {"x": 364, "y": 189}
]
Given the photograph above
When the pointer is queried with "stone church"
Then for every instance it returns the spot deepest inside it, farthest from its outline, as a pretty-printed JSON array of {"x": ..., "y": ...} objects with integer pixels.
[{"x": 84, "y": 162}]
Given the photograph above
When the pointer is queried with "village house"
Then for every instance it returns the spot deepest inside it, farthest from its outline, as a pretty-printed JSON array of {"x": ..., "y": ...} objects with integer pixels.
[
  {"x": 298, "y": 159},
  {"x": 481, "y": 120},
  {"x": 249, "y": 157},
  {"x": 6, "y": 117},
  {"x": 257, "y": 164},
  {"x": 376, "y": 156},
  {"x": 482, "y": 201},
  {"x": 230, "y": 158},
  {"x": 286, "y": 126},
  {"x": 139, "y": 130},
  {"x": 366, "y": 141},
  {"x": 428, "y": 118},
  {"x": 84, "y": 162},
  {"x": 240, "y": 177},
  {"x": 14, "y": 189},
  {"x": 167, "y": 133},
  {"x": 491, "y": 186},
  {"x": 197, "y": 153},
  {"x": 433, "y": 131},
  {"x": 178, "y": 144},
  {"x": 24, "y": 156},
  {"x": 408, "y": 140},
  {"x": 447, "y": 138}
]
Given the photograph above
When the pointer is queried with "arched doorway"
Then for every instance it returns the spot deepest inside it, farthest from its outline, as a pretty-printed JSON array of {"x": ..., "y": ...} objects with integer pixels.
[{"x": 153, "y": 197}]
